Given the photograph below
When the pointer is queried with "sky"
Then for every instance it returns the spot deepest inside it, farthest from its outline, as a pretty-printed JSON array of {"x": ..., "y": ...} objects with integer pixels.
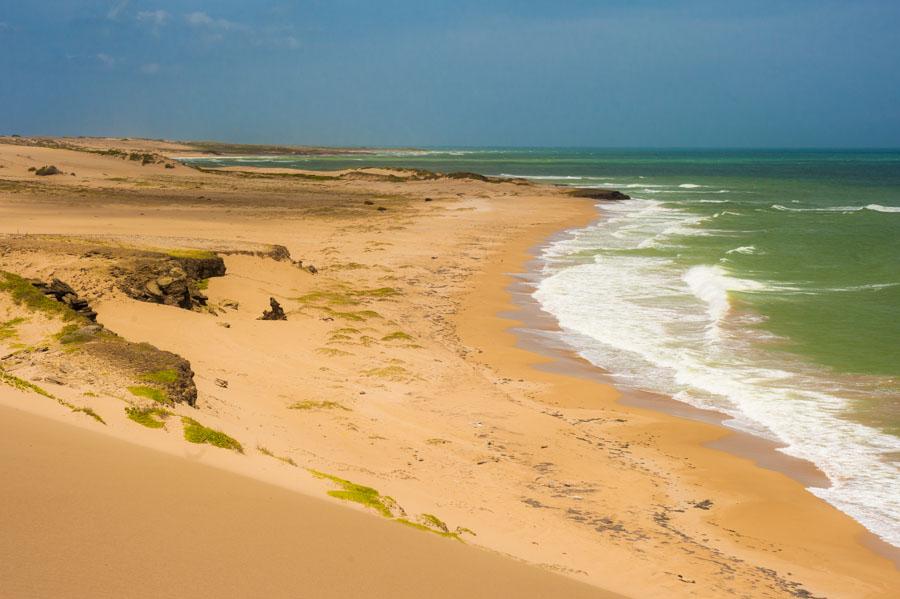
[{"x": 599, "y": 73}]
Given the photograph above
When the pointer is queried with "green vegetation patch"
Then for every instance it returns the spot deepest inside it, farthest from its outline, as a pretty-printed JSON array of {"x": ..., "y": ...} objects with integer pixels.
[
  {"x": 8, "y": 328},
  {"x": 427, "y": 528},
  {"x": 365, "y": 496},
  {"x": 393, "y": 373},
  {"x": 74, "y": 333},
  {"x": 25, "y": 294},
  {"x": 333, "y": 352},
  {"x": 149, "y": 417},
  {"x": 397, "y": 336},
  {"x": 377, "y": 293},
  {"x": 157, "y": 395},
  {"x": 197, "y": 433},
  {"x": 266, "y": 452},
  {"x": 317, "y": 405},
  {"x": 360, "y": 316},
  {"x": 91, "y": 413},
  {"x": 327, "y": 297},
  {"x": 23, "y": 385},
  {"x": 191, "y": 253},
  {"x": 346, "y": 331},
  {"x": 166, "y": 376}
]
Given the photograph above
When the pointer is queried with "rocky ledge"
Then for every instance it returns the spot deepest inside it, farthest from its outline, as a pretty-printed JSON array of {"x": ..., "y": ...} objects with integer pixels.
[
  {"x": 169, "y": 280},
  {"x": 62, "y": 292}
]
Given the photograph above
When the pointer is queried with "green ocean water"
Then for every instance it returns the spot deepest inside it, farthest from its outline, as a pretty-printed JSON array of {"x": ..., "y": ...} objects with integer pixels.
[{"x": 763, "y": 284}]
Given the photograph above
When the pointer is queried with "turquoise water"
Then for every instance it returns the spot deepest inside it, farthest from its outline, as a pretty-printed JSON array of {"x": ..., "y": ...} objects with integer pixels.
[{"x": 764, "y": 284}]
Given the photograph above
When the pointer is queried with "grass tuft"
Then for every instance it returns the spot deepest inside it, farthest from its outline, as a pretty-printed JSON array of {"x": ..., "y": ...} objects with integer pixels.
[
  {"x": 327, "y": 297},
  {"x": 163, "y": 377},
  {"x": 365, "y": 496},
  {"x": 149, "y": 417},
  {"x": 332, "y": 352},
  {"x": 23, "y": 385},
  {"x": 25, "y": 294},
  {"x": 191, "y": 253},
  {"x": 8, "y": 328},
  {"x": 157, "y": 395},
  {"x": 266, "y": 452},
  {"x": 377, "y": 293},
  {"x": 197, "y": 433},
  {"x": 90, "y": 412},
  {"x": 393, "y": 373},
  {"x": 426, "y": 528},
  {"x": 317, "y": 405},
  {"x": 397, "y": 336}
]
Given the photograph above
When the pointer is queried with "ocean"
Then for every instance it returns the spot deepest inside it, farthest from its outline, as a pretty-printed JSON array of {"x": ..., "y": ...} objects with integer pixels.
[{"x": 762, "y": 284}]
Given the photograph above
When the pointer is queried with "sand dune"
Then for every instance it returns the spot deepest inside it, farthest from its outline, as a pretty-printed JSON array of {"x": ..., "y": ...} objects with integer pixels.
[{"x": 85, "y": 515}]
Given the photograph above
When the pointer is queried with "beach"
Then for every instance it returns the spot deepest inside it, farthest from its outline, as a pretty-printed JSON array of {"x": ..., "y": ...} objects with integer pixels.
[{"x": 398, "y": 368}]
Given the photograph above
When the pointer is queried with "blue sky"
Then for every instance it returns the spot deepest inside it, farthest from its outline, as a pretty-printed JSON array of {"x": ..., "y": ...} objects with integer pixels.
[{"x": 788, "y": 73}]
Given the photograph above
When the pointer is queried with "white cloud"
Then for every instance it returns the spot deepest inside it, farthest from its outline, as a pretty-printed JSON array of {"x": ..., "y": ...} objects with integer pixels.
[
  {"x": 116, "y": 9},
  {"x": 201, "y": 19},
  {"x": 151, "y": 68},
  {"x": 106, "y": 60},
  {"x": 156, "y": 18}
]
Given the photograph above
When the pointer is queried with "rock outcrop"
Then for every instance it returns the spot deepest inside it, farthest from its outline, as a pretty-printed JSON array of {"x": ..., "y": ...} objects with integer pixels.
[
  {"x": 170, "y": 280},
  {"x": 275, "y": 311},
  {"x": 45, "y": 171},
  {"x": 62, "y": 292}
]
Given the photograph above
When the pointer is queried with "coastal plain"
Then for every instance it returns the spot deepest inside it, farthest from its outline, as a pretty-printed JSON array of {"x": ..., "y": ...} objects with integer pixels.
[{"x": 394, "y": 412}]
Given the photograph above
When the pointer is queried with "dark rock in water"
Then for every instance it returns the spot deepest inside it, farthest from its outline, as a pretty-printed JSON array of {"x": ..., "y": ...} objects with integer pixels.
[
  {"x": 600, "y": 194},
  {"x": 467, "y": 175},
  {"x": 275, "y": 312}
]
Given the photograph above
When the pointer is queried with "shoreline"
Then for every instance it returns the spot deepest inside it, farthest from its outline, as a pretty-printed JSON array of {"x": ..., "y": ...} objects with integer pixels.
[
  {"x": 538, "y": 331},
  {"x": 400, "y": 368},
  {"x": 737, "y": 464}
]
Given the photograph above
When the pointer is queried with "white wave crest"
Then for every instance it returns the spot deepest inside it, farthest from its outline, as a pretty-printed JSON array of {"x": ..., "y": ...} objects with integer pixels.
[{"x": 880, "y": 208}]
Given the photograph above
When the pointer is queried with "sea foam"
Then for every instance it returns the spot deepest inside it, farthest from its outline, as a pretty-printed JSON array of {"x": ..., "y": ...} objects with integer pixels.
[{"x": 657, "y": 326}]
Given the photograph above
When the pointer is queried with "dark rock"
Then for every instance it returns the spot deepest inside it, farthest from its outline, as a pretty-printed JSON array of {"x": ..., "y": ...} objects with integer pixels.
[
  {"x": 169, "y": 280},
  {"x": 600, "y": 194},
  {"x": 275, "y": 312},
  {"x": 312, "y": 269},
  {"x": 58, "y": 289},
  {"x": 467, "y": 175},
  {"x": 428, "y": 199},
  {"x": 63, "y": 293},
  {"x": 47, "y": 170},
  {"x": 369, "y": 203},
  {"x": 222, "y": 383},
  {"x": 381, "y": 209}
]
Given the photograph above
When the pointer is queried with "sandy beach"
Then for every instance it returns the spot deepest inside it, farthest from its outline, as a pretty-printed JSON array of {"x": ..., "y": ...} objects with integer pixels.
[{"x": 394, "y": 433}]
